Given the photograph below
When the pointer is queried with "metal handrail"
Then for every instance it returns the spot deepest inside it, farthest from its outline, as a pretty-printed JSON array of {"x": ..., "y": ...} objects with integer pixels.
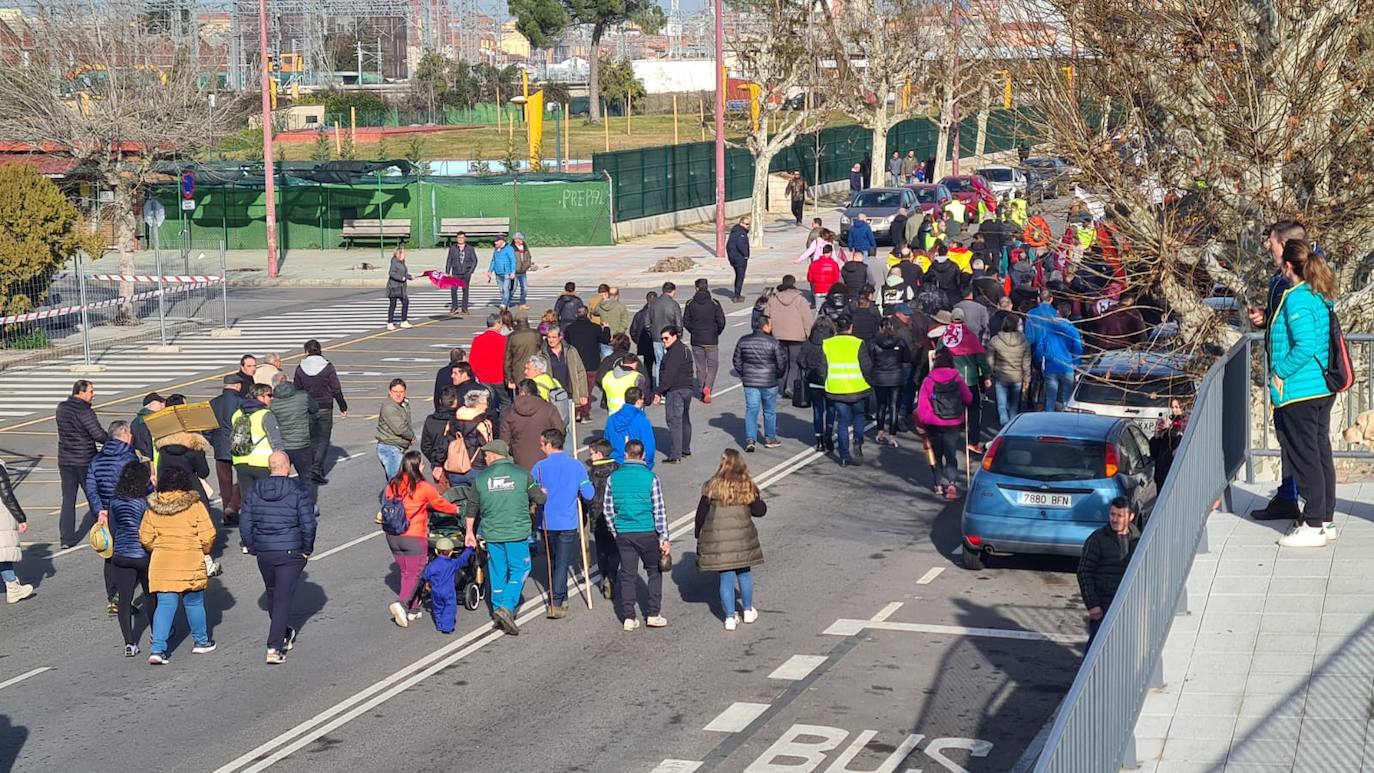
[{"x": 1094, "y": 729}]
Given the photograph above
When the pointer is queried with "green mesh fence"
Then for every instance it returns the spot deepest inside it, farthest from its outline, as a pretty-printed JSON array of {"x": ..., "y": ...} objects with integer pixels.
[
  {"x": 481, "y": 114},
  {"x": 551, "y": 210}
]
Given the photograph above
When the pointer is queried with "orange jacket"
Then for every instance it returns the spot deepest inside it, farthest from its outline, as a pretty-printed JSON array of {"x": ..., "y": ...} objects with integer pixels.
[{"x": 418, "y": 503}]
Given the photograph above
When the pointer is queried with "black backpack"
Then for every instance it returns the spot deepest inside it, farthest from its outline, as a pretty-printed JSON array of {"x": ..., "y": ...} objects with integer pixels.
[
  {"x": 1339, "y": 373},
  {"x": 947, "y": 400}
]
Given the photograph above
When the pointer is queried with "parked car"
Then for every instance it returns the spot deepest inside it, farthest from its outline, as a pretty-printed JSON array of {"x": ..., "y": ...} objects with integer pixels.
[
  {"x": 1004, "y": 180},
  {"x": 1056, "y": 172},
  {"x": 930, "y": 197},
  {"x": 881, "y": 205},
  {"x": 969, "y": 188},
  {"x": 1135, "y": 385},
  {"x": 1046, "y": 483},
  {"x": 1036, "y": 187}
]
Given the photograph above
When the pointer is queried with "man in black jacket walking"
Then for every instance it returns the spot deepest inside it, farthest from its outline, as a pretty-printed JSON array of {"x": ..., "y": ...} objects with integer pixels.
[
  {"x": 737, "y": 252},
  {"x": 460, "y": 262},
  {"x": 317, "y": 377},
  {"x": 1106, "y": 554},
  {"x": 78, "y": 431},
  {"x": 278, "y": 526},
  {"x": 704, "y": 321},
  {"x": 676, "y": 383},
  {"x": 760, "y": 361},
  {"x": 224, "y": 405}
]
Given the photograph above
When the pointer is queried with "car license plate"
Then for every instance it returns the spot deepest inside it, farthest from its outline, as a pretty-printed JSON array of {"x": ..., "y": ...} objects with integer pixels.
[
  {"x": 1042, "y": 499},
  {"x": 1147, "y": 425}
]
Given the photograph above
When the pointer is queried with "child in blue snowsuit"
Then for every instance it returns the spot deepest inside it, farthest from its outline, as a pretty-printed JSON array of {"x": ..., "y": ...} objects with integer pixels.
[{"x": 439, "y": 573}]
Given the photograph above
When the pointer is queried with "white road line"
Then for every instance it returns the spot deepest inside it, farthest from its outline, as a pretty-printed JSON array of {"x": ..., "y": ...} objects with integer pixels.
[
  {"x": 797, "y": 667},
  {"x": 731, "y": 388},
  {"x": 844, "y": 627},
  {"x": 676, "y": 766},
  {"x": 346, "y": 545},
  {"x": 736, "y": 717},
  {"x": 930, "y": 576},
  {"x": 886, "y": 612},
  {"x": 23, "y": 676},
  {"x": 79, "y": 546}
]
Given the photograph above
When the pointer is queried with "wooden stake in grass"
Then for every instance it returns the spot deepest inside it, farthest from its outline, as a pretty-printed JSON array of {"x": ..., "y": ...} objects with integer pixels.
[
  {"x": 498, "y": 108},
  {"x": 338, "y": 139},
  {"x": 353, "y": 125},
  {"x": 627, "y": 114},
  {"x": 606, "y": 125},
  {"x": 675, "y": 141},
  {"x": 701, "y": 103}
]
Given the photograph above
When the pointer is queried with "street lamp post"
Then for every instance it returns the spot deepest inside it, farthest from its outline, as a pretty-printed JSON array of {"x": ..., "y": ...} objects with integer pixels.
[
  {"x": 267, "y": 171},
  {"x": 720, "y": 128}
]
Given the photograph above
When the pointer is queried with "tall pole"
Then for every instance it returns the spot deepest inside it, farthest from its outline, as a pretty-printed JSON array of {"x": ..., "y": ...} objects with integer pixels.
[
  {"x": 954, "y": 4},
  {"x": 720, "y": 128},
  {"x": 267, "y": 155}
]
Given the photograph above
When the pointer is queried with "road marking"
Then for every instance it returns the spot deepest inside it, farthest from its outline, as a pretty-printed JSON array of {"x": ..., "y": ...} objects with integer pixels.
[
  {"x": 797, "y": 667},
  {"x": 736, "y": 717},
  {"x": 676, "y": 766},
  {"x": 731, "y": 388},
  {"x": 886, "y": 612},
  {"x": 930, "y": 576},
  {"x": 845, "y": 627},
  {"x": 64, "y": 551},
  {"x": 23, "y": 676},
  {"x": 346, "y": 545}
]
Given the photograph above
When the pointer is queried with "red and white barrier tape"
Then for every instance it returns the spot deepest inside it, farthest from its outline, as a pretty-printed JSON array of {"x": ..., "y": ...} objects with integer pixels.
[
  {"x": 192, "y": 279},
  {"x": 67, "y": 310}
]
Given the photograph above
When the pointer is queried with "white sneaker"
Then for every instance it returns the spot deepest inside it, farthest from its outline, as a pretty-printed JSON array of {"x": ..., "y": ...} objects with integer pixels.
[
  {"x": 631, "y": 623},
  {"x": 730, "y": 622},
  {"x": 1304, "y": 537},
  {"x": 750, "y": 615},
  {"x": 398, "y": 614},
  {"x": 406, "y": 326},
  {"x": 390, "y": 326},
  {"x": 1329, "y": 529},
  {"x": 657, "y": 621},
  {"x": 416, "y": 615},
  {"x": 15, "y": 592}
]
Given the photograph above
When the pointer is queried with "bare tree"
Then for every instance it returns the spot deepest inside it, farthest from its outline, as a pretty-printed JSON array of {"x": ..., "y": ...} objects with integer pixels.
[
  {"x": 113, "y": 95},
  {"x": 772, "y": 53},
  {"x": 1200, "y": 121}
]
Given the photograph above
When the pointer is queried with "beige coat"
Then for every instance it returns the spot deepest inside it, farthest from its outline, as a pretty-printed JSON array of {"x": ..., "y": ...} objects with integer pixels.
[
  {"x": 728, "y": 539},
  {"x": 178, "y": 532},
  {"x": 790, "y": 312}
]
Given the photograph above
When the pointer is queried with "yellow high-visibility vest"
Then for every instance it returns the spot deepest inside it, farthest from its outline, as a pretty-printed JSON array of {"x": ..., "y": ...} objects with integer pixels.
[
  {"x": 615, "y": 388},
  {"x": 262, "y": 449},
  {"x": 843, "y": 375}
]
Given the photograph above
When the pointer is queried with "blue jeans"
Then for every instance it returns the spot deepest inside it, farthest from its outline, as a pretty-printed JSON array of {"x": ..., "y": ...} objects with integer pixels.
[
  {"x": 848, "y": 417},
  {"x": 504, "y": 283},
  {"x": 1057, "y": 389},
  {"x": 658, "y": 358},
  {"x": 508, "y": 564},
  {"x": 822, "y": 413},
  {"x": 519, "y": 284},
  {"x": 563, "y": 547},
  {"x": 390, "y": 457},
  {"x": 1008, "y": 401},
  {"x": 753, "y": 396},
  {"x": 727, "y": 590},
  {"x": 194, "y": 601},
  {"x": 7, "y": 572}
]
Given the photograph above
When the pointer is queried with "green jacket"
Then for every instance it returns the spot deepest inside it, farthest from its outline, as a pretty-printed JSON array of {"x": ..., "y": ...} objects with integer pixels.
[
  {"x": 1299, "y": 346},
  {"x": 973, "y": 367},
  {"x": 614, "y": 315},
  {"x": 393, "y": 424},
  {"x": 504, "y": 492},
  {"x": 293, "y": 408}
]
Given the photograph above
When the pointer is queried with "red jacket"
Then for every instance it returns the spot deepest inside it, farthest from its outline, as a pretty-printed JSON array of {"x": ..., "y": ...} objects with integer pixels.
[
  {"x": 418, "y": 504},
  {"x": 488, "y": 357},
  {"x": 822, "y": 274}
]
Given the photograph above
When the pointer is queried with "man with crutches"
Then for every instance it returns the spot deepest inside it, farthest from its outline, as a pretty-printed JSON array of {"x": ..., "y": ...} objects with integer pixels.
[{"x": 564, "y": 481}]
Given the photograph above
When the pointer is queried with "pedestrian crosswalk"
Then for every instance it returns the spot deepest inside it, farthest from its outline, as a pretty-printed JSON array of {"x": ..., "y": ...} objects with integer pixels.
[{"x": 28, "y": 392}]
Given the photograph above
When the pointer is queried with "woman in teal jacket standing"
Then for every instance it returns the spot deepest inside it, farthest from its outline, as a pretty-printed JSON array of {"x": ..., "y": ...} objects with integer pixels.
[{"x": 1299, "y": 351}]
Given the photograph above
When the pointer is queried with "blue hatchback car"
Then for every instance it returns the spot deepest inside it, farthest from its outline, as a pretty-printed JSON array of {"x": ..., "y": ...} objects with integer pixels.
[{"x": 1046, "y": 482}]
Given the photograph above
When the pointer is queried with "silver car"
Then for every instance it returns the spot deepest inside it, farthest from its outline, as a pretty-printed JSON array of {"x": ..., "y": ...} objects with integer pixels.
[
  {"x": 881, "y": 205},
  {"x": 1135, "y": 385}
]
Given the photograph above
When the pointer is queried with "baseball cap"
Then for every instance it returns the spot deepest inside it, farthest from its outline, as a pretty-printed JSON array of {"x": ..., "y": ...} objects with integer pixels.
[
  {"x": 902, "y": 308},
  {"x": 519, "y": 235},
  {"x": 497, "y": 447},
  {"x": 500, "y": 238},
  {"x": 957, "y": 315},
  {"x": 153, "y": 397},
  {"x": 443, "y": 544}
]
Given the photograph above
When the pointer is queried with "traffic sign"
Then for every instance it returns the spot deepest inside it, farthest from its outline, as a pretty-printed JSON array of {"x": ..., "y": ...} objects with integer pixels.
[
  {"x": 188, "y": 185},
  {"x": 154, "y": 213},
  {"x": 188, "y": 204}
]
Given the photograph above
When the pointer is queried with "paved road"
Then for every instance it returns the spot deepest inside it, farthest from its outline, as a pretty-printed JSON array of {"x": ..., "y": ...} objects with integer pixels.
[{"x": 873, "y": 644}]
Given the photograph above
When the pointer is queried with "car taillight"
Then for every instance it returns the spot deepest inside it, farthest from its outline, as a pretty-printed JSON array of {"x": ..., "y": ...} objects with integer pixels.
[
  {"x": 1112, "y": 460},
  {"x": 974, "y": 541},
  {"x": 992, "y": 453}
]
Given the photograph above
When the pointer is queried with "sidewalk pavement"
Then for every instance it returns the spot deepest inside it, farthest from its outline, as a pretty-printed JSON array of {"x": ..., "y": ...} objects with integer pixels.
[
  {"x": 1278, "y": 651},
  {"x": 625, "y": 265}
]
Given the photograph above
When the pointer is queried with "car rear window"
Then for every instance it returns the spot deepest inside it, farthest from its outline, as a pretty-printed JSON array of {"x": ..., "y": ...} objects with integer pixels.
[
  {"x": 925, "y": 195},
  {"x": 1148, "y": 393},
  {"x": 890, "y": 199},
  {"x": 956, "y": 185},
  {"x": 1049, "y": 460},
  {"x": 996, "y": 175}
]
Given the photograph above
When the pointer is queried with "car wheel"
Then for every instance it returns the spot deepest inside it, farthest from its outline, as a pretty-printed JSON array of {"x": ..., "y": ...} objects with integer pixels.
[{"x": 973, "y": 559}]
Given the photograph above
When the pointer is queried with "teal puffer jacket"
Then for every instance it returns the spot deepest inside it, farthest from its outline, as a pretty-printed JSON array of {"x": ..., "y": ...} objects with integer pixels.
[{"x": 1299, "y": 346}]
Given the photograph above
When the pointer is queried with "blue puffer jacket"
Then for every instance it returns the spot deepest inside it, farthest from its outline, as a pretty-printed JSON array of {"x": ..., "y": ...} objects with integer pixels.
[
  {"x": 1299, "y": 345},
  {"x": 104, "y": 471},
  {"x": 277, "y": 514},
  {"x": 1059, "y": 347},
  {"x": 126, "y": 515}
]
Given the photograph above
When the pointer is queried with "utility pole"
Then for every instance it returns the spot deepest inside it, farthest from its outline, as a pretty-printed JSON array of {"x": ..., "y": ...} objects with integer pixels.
[
  {"x": 267, "y": 155},
  {"x": 954, "y": 4},
  {"x": 720, "y": 128},
  {"x": 360, "y": 62}
]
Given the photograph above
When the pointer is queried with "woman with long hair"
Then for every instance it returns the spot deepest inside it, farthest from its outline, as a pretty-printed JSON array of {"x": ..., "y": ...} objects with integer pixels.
[
  {"x": 129, "y": 564},
  {"x": 813, "y": 371},
  {"x": 397, "y": 277},
  {"x": 890, "y": 354},
  {"x": 411, "y": 547},
  {"x": 177, "y": 531},
  {"x": 1299, "y": 352},
  {"x": 727, "y": 541}
]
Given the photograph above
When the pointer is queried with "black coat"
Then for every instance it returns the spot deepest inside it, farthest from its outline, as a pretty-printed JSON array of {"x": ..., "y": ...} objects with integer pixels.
[
  {"x": 433, "y": 438},
  {"x": 703, "y": 319},
  {"x": 760, "y": 360},
  {"x": 586, "y": 337},
  {"x": 322, "y": 384},
  {"x": 889, "y": 356},
  {"x": 737, "y": 245},
  {"x": 898, "y": 228},
  {"x": 224, "y": 406},
  {"x": 461, "y": 261},
  {"x": 854, "y": 275},
  {"x": 675, "y": 372},
  {"x": 866, "y": 321},
  {"x": 1105, "y": 558},
  {"x": 443, "y": 378},
  {"x": 278, "y": 514},
  {"x": 78, "y": 431}
]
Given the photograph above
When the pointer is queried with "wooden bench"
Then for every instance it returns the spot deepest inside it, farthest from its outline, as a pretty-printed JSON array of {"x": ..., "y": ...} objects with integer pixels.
[
  {"x": 375, "y": 229},
  {"x": 473, "y": 226}
]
